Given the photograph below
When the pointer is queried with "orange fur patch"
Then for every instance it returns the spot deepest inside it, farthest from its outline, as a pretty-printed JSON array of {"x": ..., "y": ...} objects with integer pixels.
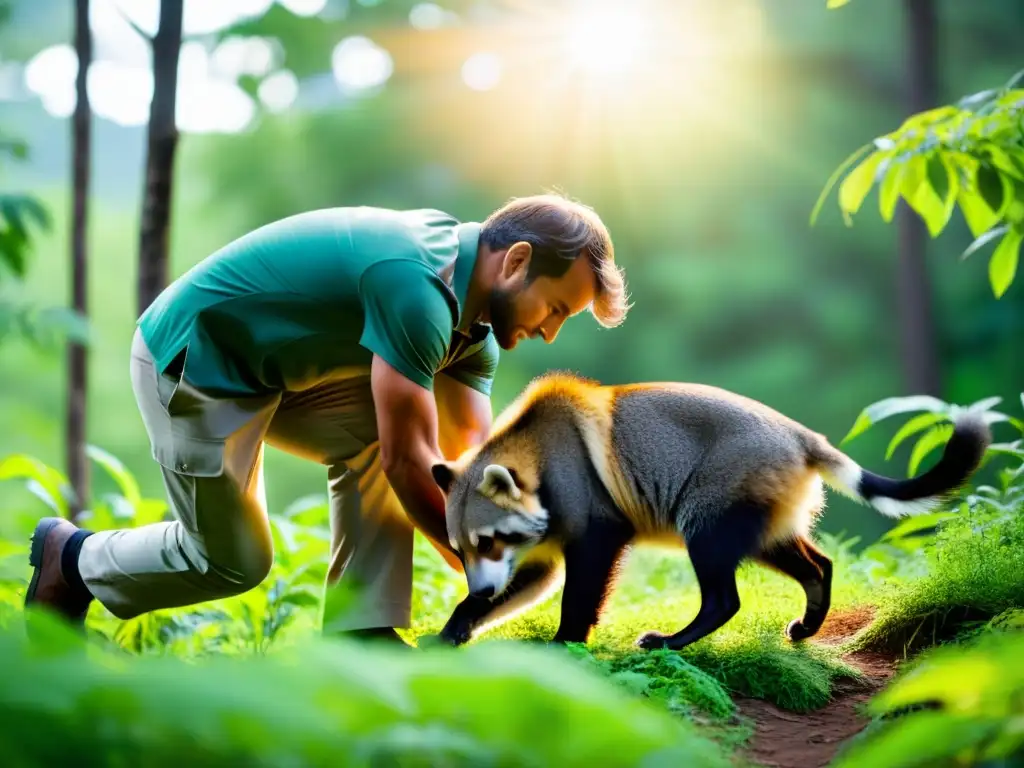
[
  {"x": 797, "y": 497},
  {"x": 592, "y": 407}
]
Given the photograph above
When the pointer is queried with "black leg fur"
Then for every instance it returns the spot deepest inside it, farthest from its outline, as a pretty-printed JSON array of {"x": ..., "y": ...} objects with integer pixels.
[
  {"x": 802, "y": 561},
  {"x": 591, "y": 566},
  {"x": 472, "y": 612},
  {"x": 716, "y": 550}
]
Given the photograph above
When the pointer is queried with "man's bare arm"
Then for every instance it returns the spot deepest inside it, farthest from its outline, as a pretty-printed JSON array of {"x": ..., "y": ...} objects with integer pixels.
[
  {"x": 407, "y": 429},
  {"x": 464, "y": 416}
]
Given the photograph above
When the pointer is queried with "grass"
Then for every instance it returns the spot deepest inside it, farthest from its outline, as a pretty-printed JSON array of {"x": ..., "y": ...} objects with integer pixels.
[
  {"x": 974, "y": 576},
  {"x": 748, "y": 657}
]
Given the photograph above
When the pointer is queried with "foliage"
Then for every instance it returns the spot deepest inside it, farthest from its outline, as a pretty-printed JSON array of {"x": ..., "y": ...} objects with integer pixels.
[
  {"x": 936, "y": 421},
  {"x": 19, "y": 216},
  {"x": 956, "y": 706},
  {"x": 969, "y": 154},
  {"x": 967, "y": 556},
  {"x": 324, "y": 702}
]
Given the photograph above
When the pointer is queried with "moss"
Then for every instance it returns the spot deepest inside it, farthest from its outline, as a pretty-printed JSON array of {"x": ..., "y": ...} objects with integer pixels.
[{"x": 974, "y": 576}]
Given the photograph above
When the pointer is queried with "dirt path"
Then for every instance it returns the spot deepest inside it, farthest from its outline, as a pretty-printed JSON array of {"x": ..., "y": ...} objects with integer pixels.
[{"x": 810, "y": 740}]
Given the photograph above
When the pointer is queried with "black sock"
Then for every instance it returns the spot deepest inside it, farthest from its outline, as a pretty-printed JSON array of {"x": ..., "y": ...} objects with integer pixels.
[{"x": 69, "y": 564}]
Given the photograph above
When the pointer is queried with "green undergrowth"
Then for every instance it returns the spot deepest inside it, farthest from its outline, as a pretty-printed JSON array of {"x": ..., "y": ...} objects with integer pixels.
[
  {"x": 321, "y": 702},
  {"x": 975, "y": 568},
  {"x": 954, "y": 704}
]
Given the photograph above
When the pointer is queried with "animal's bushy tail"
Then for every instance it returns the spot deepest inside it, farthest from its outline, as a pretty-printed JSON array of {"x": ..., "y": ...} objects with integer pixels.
[{"x": 916, "y": 495}]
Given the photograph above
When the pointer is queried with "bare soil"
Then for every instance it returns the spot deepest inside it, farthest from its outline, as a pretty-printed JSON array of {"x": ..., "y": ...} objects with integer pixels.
[{"x": 784, "y": 739}]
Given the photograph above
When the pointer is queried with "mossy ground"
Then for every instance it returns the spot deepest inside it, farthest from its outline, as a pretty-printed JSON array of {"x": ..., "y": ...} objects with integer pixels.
[{"x": 750, "y": 656}]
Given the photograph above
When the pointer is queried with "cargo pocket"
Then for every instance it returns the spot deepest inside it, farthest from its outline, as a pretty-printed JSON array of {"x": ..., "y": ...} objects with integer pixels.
[{"x": 191, "y": 456}]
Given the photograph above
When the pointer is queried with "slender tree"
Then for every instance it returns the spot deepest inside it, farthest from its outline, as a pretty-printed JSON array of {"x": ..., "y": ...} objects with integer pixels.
[
  {"x": 917, "y": 329},
  {"x": 81, "y": 129},
  {"x": 162, "y": 144}
]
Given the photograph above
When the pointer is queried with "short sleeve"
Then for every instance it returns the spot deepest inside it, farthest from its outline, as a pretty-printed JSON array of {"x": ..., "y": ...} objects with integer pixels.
[
  {"x": 477, "y": 369},
  {"x": 407, "y": 318}
]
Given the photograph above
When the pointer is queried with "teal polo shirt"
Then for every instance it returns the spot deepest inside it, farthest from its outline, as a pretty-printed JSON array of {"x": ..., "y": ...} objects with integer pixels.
[{"x": 299, "y": 301}]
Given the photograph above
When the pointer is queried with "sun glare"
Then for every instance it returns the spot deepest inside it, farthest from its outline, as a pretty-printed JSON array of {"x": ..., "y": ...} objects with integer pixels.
[{"x": 605, "y": 40}]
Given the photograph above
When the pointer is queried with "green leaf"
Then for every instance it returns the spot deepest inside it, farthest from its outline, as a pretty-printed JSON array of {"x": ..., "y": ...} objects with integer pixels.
[
  {"x": 975, "y": 100},
  {"x": 149, "y": 511},
  {"x": 889, "y": 191},
  {"x": 1003, "y": 265},
  {"x": 1017, "y": 77},
  {"x": 302, "y": 598},
  {"x": 891, "y": 406},
  {"x": 44, "y": 481},
  {"x": 928, "y": 442},
  {"x": 989, "y": 236},
  {"x": 836, "y": 3},
  {"x": 1004, "y": 160},
  {"x": 856, "y": 186},
  {"x": 916, "y": 424},
  {"x": 124, "y": 479},
  {"x": 992, "y": 187},
  {"x": 978, "y": 216},
  {"x": 834, "y": 178},
  {"x": 937, "y": 175},
  {"x": 916, "y": 524},
  {"x": 925, "y": 188}
]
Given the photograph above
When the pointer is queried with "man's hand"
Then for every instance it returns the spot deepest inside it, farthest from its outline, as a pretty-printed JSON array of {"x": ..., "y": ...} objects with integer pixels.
[{"x": 407, "y": 429}]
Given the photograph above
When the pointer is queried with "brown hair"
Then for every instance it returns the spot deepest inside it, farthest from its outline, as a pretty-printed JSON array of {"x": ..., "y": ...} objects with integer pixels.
[{"x": 560, "y": 230}]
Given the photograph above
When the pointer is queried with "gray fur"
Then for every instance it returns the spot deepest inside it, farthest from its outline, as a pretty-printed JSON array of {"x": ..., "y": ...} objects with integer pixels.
[{"x": 689, "y": 450}]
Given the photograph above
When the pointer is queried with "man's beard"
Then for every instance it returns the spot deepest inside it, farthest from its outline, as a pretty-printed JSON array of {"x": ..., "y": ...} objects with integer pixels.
[{"x": 500, "y": 310}]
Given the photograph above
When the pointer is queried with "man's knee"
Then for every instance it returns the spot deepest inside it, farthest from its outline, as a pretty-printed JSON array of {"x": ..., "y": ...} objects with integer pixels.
[
  {"x": 233, "y": 565},
  {"x": 240, "y": 574}
]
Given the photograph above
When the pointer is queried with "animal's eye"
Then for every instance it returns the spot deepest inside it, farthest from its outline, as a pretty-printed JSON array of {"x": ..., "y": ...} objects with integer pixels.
[
  {"x": 513, "y": 539},
  {"x": 484, "y": 544}
]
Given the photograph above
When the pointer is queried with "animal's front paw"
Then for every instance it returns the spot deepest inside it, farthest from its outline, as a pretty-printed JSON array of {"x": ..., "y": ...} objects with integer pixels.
[
  {"x": 456, "y": 634},
  {"x": 796, "y": 631},
  {"x": 652, "y": 641}
]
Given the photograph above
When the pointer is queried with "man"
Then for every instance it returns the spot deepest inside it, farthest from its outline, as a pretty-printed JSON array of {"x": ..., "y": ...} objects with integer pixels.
[{"x": 364, "y": 339}]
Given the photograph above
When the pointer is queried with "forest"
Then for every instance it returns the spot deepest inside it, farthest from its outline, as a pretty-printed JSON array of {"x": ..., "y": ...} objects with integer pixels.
[{"x": 817, "y": 204}]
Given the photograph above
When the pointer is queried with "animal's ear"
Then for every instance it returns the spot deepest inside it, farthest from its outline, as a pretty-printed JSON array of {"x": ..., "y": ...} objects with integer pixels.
[
  {"x": 444, "y": 476},
  {"x": 499, "y": 479}
]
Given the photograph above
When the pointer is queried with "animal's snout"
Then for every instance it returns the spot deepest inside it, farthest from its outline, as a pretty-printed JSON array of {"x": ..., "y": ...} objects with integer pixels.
[{"x": 484, "y": 592}]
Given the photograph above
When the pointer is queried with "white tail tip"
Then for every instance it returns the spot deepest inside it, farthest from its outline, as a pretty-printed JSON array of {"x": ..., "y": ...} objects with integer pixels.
[{"x": 899, "y": 509}]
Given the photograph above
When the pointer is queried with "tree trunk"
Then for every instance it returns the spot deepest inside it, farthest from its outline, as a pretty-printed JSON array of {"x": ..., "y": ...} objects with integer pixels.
[
  {"x": 918, "y": 349},
  {"x": 77, "y": 462},
  {"x": 163, "y": 141}
]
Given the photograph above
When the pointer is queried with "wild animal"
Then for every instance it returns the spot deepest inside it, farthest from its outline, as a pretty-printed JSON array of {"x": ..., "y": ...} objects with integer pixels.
[{"x": 574, "y": 472}]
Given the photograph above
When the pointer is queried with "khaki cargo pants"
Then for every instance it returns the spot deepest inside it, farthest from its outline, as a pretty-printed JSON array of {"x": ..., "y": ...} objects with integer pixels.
[{"x": 219, "y": 544}]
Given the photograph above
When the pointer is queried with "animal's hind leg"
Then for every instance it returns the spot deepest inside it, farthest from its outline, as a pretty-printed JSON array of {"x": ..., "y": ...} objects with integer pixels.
[
  {"x": 802, "y": 561},
  {"x": 716, "y": 550}
]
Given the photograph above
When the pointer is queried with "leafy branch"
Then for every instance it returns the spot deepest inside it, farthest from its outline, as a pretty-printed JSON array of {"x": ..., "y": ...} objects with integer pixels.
[{"x": 970, "y": 155}]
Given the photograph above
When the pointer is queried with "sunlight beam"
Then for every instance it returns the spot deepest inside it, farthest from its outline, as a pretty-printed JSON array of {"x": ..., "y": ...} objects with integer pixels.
[{"x": 605, "y": 40}]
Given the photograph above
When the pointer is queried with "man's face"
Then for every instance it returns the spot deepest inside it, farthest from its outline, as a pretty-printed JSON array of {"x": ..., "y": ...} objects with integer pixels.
[{"x": 519, "y": 311}]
